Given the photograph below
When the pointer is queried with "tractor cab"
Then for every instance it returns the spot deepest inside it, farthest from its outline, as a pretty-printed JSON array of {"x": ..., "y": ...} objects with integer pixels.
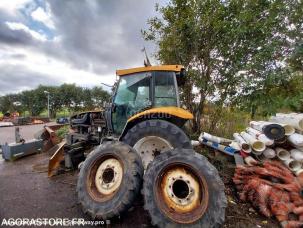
[{"x": 143, "y": 88}]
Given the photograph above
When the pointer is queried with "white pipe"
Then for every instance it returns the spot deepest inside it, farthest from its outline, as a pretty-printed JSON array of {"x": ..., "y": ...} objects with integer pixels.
[
  {"x": 256, "y": 125},
  {"x": 289, "y": 130},
  {"x": 243, "y": 144},
  {"x": 269, "y": 153},
  {"x": 258, "y": 153},
  {"x": 213, "y": 138},
  {"x": 296, "y": 154},
  {"x": 299, "y": 148},
  {"x": 235, "y": 145},
  {"x": 298, "y": 172},
  {"x": 195, "y": 143},
  {"x": 256, "y": 145},
  {"x": 282, "y": 154},
  {"x": 259, "y": 135},
  {"x": 296, "y": 139},
  {"x": 293, "y": 119},
  {"x": 250, "y": 161},
  {"x": 271, "y": 130},
  {"x": 293, "y": 165}
]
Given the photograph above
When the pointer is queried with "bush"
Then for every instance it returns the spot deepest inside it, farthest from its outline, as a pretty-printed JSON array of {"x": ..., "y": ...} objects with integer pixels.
[{"x": 62, "y": 132}]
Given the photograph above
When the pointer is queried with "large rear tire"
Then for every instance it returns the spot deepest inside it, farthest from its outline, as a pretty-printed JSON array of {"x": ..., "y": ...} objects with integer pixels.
[
  {"x": 152, "y": 137},
  {"x": 181, "y": 188},
  {"x": 109, "y": 180}
]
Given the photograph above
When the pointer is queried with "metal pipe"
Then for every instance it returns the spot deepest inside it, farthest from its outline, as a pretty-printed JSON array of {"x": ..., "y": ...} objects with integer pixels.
[
  {"x": 293, "y": 119},
  {"x": 243, "y": 144},
  {"x": 282, "y": 154},
  {"x": 296, "y": 154},
  {"x": 293, "y": 165},
  {"x": 213, "y": 138},
  {"x": 296, "y": 139},
  {"x": 272, "y": 131},
  {"x": 259, "y": 135},
  {"x": 256, "y": 145}
]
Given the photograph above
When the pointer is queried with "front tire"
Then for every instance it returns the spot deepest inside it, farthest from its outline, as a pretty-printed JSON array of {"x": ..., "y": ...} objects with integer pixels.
[
  {"x": 109, "y": 180},
  {"x": 181, "y": 188}
]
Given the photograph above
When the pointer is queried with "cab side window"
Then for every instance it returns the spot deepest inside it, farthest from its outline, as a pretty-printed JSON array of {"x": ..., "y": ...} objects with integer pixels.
[{"x": 165, "y": 89}]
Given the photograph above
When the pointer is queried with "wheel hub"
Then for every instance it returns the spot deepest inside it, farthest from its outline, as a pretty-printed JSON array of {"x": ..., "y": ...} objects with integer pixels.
[
  {"x": 109, "y": 176},
  {"x": 151, "y": 146},
  {"x": 181, "y": 190}
]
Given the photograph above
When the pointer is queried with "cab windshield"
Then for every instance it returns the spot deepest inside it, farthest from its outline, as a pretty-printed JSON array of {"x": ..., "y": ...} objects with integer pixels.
[{"x": 140, "y": 91}]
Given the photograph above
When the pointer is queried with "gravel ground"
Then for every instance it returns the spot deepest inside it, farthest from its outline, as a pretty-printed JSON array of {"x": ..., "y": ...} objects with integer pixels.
[{"x": 27, "y": 192}]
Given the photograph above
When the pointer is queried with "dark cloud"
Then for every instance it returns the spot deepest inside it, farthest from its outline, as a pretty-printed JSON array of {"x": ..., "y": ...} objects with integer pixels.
[
  {"x": 103, "y": 35},
  {"x": 14, "y": 37},
  {"x": 16, "y": 78},
  {"x": 92, "y": 35}
]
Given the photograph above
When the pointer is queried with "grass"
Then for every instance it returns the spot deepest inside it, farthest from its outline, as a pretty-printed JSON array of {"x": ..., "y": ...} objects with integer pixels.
[{"x": 62, "y": 132}]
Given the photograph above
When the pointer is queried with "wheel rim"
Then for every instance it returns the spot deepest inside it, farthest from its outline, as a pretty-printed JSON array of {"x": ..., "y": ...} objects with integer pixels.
[
  {"x": 182, "y": 193},
  {"x": 109, "y": 176},
  {"x": 105, "y": 178},
  {"x": 149, "y": 147}
]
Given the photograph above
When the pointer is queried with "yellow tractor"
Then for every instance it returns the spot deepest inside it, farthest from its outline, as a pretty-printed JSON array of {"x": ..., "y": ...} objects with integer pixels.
[{"x": 141, "y": 144}]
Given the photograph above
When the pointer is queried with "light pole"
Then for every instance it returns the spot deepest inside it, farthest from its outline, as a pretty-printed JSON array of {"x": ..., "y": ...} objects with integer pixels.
[{"x": 46, "y": 92}]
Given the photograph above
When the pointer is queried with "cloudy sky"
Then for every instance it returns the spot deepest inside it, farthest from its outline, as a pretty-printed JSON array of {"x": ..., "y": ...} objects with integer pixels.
[{"x": 71, "y": 41}]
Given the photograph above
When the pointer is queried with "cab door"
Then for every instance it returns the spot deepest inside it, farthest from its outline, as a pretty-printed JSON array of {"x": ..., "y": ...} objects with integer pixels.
[{"x": 132, "y": 96}]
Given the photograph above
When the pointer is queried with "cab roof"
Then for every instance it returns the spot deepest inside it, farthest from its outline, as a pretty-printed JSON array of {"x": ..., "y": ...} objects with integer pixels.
[{"x": 175, "y": 68}]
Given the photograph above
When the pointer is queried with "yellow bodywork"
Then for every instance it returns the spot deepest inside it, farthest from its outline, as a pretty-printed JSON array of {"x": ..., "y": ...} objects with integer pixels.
[
  {"x": 174, "y": 68},
  {"x": 174, "y": 111}
]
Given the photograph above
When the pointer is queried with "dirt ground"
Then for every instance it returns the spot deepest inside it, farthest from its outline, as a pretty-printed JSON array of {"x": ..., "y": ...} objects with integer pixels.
[{"x": 27, "y": 192}]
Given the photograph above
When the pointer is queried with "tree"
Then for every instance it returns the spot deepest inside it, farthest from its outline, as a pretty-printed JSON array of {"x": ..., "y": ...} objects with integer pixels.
[
  {"x": 99, "y": 96},
  {"x": 33, "y": 102},
  {"x": 10, "y": 103},
  {"x": 229, "y": 48}
]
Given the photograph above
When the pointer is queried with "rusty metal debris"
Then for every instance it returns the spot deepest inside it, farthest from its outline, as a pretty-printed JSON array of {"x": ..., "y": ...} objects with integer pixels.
[{"x": 273, "y": 190}]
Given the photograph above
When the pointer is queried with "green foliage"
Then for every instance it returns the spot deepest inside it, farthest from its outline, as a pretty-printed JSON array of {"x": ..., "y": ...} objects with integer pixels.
[
  {"x": 231, "y": 49},
  {"x": 9, "y": 103},
  {"x": 224, "y": 121},
  {"x": 65, "y": 97},
  {"x": 62, "y": 132}
]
